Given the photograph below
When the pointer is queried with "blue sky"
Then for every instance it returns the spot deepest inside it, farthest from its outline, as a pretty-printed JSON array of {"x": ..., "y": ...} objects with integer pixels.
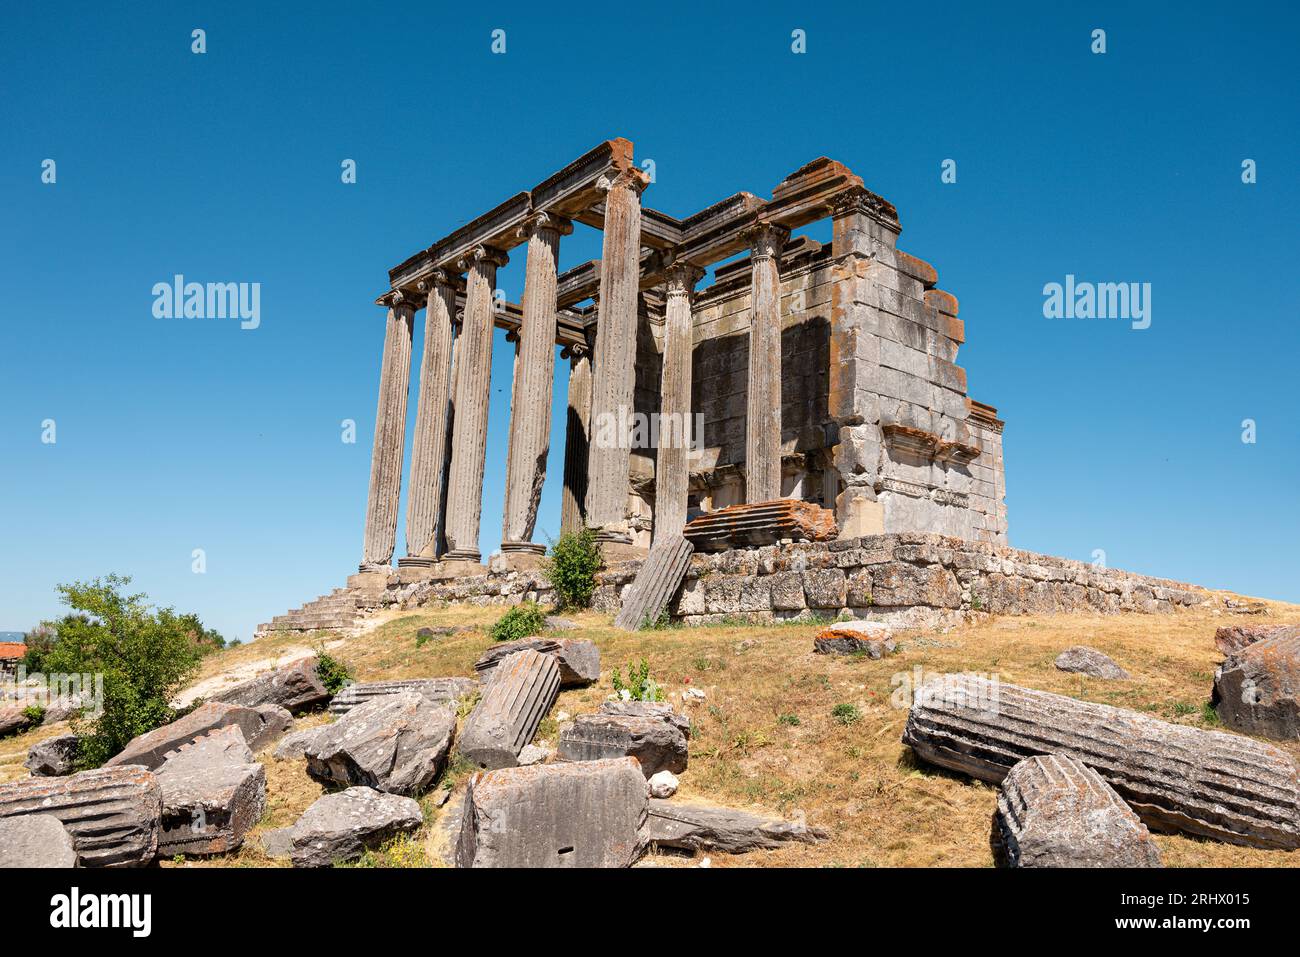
[{"x": 180, "y": 434}]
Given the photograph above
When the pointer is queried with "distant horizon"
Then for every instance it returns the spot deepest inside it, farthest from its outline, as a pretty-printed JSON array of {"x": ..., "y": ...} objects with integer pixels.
[{"x": 1164, "y": 438}]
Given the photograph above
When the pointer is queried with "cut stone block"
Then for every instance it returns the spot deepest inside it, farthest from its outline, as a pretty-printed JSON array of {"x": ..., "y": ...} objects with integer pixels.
[
  {"x": 53, "y": 757},
  {"x": 657, "y": 744},
  {"x": 761, "y": 523},
  {"x": 1230, "y": 639},
  {"x": 213, "y": 794},
  {"x": 513, "y": 705},
  {"x": 112, "y": 814},
  {"x": 294, "y": 746},
  {"x": 583, "y": 814},
  {"x": 657, "y": 581},
  {"x": 1055, "y": 812},
  {"x": 35, "y": 840},
  {"x": 871, "y": 638},
  {"x": 1176, "y": 778},
  {"x": 1257, "y": 690},
  {"x": 438, "y": 690},
  {"x": 395, "y": 743},
  {"x": 579, "y": 660},
  {"x": 276, "y": 721},
  {"x": 13, "y": 719},
  {"x": 1089, "y": 661},
  {"x": 151, "y": 748},
  {"x": 296, "y": 688},
  {"x": 649, "y": 709},
  {"x": 343, "y": 825},
  {"x": 699, "y": 827}
]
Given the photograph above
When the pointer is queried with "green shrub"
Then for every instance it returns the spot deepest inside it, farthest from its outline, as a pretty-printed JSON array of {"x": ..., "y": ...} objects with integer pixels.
[
  {"x": 523, "y": 621},
  {"x": 34, "y": 713},
  {"x": 333, "y": 673},
  {"x": 846, "y": 714},
  {"x": 1209, "y": 715},
  {"x": 145, "y": 655},
  {"x": 639, "y": 685},
  {"x": 571, "y": 567},
  {"x": 791, "y": 720}
]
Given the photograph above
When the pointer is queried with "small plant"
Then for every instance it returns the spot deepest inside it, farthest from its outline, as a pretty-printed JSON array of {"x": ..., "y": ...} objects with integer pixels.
[
  {"x": 790, "y": 720},
  {"x": 846, "y": 714},
  {"x": 34, "y": 713},
  {"x": 1182, "y": 709},
  {"x": 523, "y": 621},
  {"x": 571, "y": 568},
  {"x": 1209, "y": 716},
  {"x": 639, "y": 685},
  {"x": 333, "y": 673},
  {"x": 665, "y": 620}
]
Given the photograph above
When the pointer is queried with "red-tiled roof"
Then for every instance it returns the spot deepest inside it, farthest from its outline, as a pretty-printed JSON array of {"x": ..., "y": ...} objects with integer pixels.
[{"x": 12, "y": 649}]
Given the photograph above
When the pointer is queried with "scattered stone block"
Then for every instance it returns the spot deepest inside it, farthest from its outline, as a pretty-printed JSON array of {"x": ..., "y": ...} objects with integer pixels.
[
  {"x": 556, "y": 623},
  {"x": 531, "y": 754},
  {"x": 64, "y": 708},
  {"x": 579, "y": 660},
  {"x": 699, "y": 827},
  {"x": 296, "y": 687},
  {"x": 582, "y": 814},
  {"x": 113, "y": 814},
  {"x": 656, "y": 583},
  {"x": 1231, "y": 639},
  {"x": 395, "y": 743},
  {"x": 13, "y": 720},
  {"x": 1176, "y": 778},
  {"x": 53, "y": 757},
  {"x": 35, "y": 840},
  {"x": 1257, "y": 690},
  {"x": 663, "y": 784},
  {"x": 438, "y": 690},
  {"x": 213, "y": 794},
  {"x": 276, "y": 721},
  {"x": 294, "y": 746},
  {"x": 761, "y": 523},
  {"x": 649, "y": 709},
  {"x": 871, "y": 638},
  {"x": 151, "y": 749},
  {"x": 1089, "y": 661},
  {"x": 344, "y": 825},
  {"x": 277, "y": 843},
  {"x": 1055, "y": 812},
  {"x": 512, "y": 706},
  {"x": 656, "y": 743}
]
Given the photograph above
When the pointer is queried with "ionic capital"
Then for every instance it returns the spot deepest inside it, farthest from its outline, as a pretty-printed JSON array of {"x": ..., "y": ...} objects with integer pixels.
[
  {"x": 633, "y": 178},
  {"x": 766, "y": 240},
  {"x": 680, "y": 279},
  {"x": 575, "y": 351},
  {"x": 401, "y": 298},
  {"x": 539, "y": 221},
  {"x": 482, "y": 255},
  {"x": 438, "y": 279}
]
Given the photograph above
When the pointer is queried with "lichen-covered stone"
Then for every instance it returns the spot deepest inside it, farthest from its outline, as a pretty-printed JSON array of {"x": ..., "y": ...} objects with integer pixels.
[
  {"x": 512, "y": 706},
  {"x": 1089, "y": 661},
  {"x": 344, "y": 825},
  {"x": 657, "y": 744},
  {"x": 53, "y": 757},
  {"x": 35, "y": 840},
  {"x": 1257, "y": 690},
  {"x": 296, "y": 687}
]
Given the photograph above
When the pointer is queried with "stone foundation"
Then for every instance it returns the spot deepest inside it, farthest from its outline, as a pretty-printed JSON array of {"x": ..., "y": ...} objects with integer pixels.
[{"x": 909, "y": 579}]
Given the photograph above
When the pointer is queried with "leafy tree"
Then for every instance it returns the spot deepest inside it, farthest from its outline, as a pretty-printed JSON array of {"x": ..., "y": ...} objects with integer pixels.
[
  {"x": 39, "y": 641},
  {"x": 145, "y": 655},
  {"x": 206, "y": 640}
]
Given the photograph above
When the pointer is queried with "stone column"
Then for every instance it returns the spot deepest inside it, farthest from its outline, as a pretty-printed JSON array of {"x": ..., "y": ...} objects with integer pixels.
[
  {"x": 390, "y": 436},
  {"x": 672, "y": 458},
  {"x": 763, "y": 407},
  {"x": 428, "y": 454},
  {"x": 473, "y": 389},
  {"x": 573, "y": 505},
  {"x": 615, "y": 356},
  {"x": 530, "y": 403}
]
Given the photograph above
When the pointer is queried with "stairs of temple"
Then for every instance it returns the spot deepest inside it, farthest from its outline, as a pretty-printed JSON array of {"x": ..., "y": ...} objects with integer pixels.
[{"x": 340, "y": 610}]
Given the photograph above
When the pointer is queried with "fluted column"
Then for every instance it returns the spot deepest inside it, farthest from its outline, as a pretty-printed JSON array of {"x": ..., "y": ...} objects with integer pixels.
[
  {"x": 763, "y": 406},
  {"x": 530, "y": 403},
  {"x": 428, "y": 453},
  {"x": 573, "y": 504},
  {"x": 672, "y": 459},
  {"x": 390, "y": 436},
  {"x": 615, "y": 356},
  {"x": 473, "y": 387}
]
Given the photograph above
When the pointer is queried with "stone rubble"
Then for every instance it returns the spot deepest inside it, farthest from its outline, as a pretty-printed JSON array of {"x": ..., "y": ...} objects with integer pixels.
[
  {"x": 213, "y": 793},
  {"x": 1257, "y": 689},
  {"x": 53, "y": 757},
  {"x": 343, "y": 825},
  {"x": 579, "y": 661},
  {"x": 512, "y": 706},
  {"x": 35, "y": 840},
  {"x": 1088, "y": 661},
  {"x": 699, "y": 827},
  {"x": 658, "y": 745},
  {"x": 150, "y": 749},
  {"x": 296, "y": 687}
]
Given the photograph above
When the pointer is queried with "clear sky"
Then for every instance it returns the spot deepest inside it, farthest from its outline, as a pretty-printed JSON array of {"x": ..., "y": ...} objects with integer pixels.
[{"x": 183, "y": 434}]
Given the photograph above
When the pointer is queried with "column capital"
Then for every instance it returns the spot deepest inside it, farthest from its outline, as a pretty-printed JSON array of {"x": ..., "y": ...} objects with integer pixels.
[
  {"x": 860, "y": 200},
  {"x": 765, "y": 240},
  {"x": 633, "y": 178},
  {"x": 488, "y": 255},
  {"x": 541, "y": 220},
  {"x": 575, "y": 351},
  {"x": 400, "y": 297},
  {"x": 681, "y": 279},
  {"x": 436, "y": 279}
]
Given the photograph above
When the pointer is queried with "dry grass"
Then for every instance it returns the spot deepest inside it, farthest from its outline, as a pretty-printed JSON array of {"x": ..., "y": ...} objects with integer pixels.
[{"x": 764, "y": 737}]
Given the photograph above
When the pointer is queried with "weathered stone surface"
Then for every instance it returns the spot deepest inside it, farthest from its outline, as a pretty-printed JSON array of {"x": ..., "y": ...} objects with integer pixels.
[
  {"x": 390, "y": 436},
  {"x": 1089, "y": 661},
  {"x": 294, "y": 746},
  {"x": 295, "y": 687},
  {"x": 1176, "y": 778},
  {"x": 1055, "y": 812},
  {"x": 556, "y": 623},
  {"x": 762, "y": 523},
  {"x": 112, "y": 813},
  {"x": 13, "y": 720},
  {"x": 579, "y": 661},
  {"x": 825, "y": 588},
  {"x": 277, "y": 843},
  {"x": 901, "y": 583},
  {"x": 213, "y": 794},
  {"x": 854, "y": 637},
  {"x": 276, "y": 721},
  {"x": 1257, "y": 690},
  {"x": 53, "y": 757},
  {"x": 396, "y": 743},
  {"x": 430, "y": 449},
  {"x": 581, "y": 814},
  {"x": 151, "y": 749},
  {"x": 35, "y": 840},
  {"x": 438, "y": 690},
  {"x": 512, "y": 706},
  {"x": 657, "y": 744},
  {"x": 663, "y": 784},
  {"x": 343, "y": 825},
  {"x": 699, "y": 827},
  {"x": 1230, "y": 639},
  {"x": 656, "y": 583},
  {"x": 659, "y": 710}
]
